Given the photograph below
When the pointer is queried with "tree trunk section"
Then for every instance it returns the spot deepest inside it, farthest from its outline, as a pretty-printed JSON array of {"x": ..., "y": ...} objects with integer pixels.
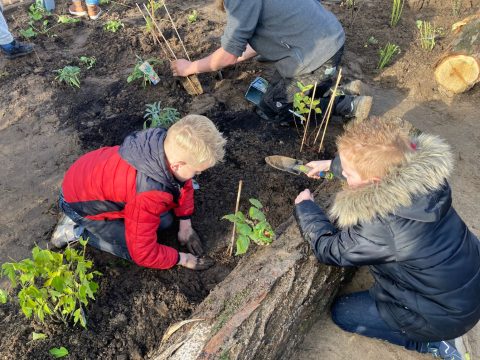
[
  {"x": 459, "y": 68},
  {"x": 264, "y": 307}
]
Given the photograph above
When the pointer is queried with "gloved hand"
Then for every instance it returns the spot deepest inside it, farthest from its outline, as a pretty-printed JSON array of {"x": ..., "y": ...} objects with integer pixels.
[
  {"x": 189, "y": 238},
  {"x": 194, "y": 263}
]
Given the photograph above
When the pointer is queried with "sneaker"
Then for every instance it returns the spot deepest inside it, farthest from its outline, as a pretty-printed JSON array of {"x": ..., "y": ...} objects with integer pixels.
[
  {"x": 66, "y": 232},
  {"x": 361, "y": 107},
  {"x": 16, "y": 49},
  {"x": 94, "y": 11},
  {"x": 355, "y": 87},
  {"x": 77, "y": 8},
  {"x": 444, "y": 350}
]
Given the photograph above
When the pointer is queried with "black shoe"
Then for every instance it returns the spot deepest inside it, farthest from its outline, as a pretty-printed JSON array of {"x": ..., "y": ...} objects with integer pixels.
[{"x": 16, "y": 49}]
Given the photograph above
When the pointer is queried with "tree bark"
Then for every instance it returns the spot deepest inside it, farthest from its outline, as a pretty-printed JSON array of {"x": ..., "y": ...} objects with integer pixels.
[
  {"x": 263, "y": 309},
  {"x": 459, "y": 68}
]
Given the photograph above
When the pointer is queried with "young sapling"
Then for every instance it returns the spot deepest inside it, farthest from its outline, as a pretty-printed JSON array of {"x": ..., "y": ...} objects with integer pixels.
[
  {"x": 137, "y": 74},
  {"x": 157, "y": 117},
  {"x": 302, "y": 102},
  {"x": 113, "y": 26},
  {"x": 193, "y": 16},
  {"x": 386, "y": 55},
  {"x": 69, "y": 75},
  {"x": 88, "y": 61}
]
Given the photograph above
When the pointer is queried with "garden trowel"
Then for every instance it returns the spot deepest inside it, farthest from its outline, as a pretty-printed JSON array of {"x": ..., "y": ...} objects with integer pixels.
[{"x": 293, "y": 166}]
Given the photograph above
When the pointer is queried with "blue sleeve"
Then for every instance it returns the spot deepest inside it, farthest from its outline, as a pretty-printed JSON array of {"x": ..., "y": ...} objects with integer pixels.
[{"x": 242, "y": 19}]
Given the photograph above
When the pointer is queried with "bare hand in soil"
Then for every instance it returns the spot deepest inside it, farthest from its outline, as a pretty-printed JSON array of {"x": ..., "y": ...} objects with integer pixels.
[
  {"x": 181, "y": 67},
  {"x": 317, "y": 166},
  {"x": 195, "y": 263},
  {"x": 304, "y": 195}
]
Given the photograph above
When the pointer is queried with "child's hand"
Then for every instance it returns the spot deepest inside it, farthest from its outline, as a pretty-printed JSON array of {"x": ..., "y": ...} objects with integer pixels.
[
  {"x": 194, "y": 263},
  {"x": 188, "y": 237},
  {"x": 304, "y": 195},
  {"x": 317, "y": 166}
]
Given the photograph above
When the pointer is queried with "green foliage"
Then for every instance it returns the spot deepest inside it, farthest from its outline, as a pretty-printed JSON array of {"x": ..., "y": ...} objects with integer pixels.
[
  {"x": 397, "y": 9},
  {"x": 139, "y": 74},
  {"x": 37, "y": 23},
  {"x": 65, "y": 19},
  {"x": 36, "y": 12},
  {"x": 38, "y": 336},
  {"x": 88, "y": 61},
  {"x": 193, "y": 16},
  {"x": 386, "y": 55},
  {"x": 104, "y": 2},
  {"x": 157, "y": 117},
  {"x": 302, "y": 102},
  {"x": 113, "y": 25},
  {"x": 3, "y": 296},
  {"x": 69, "y": 75},
  {"x": 253, "y": 226},
  {"x": 28, "y": 33},
  {"x": 350, "y": 3},
  {"x": 54, "y": 285},
  {"x": 427, "y": 33},
  {"x": 58, "y": 352}
]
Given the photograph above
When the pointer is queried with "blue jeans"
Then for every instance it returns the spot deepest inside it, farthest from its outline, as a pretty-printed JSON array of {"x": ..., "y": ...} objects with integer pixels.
[
  {"x": 107, "y": 235},
  {"x": 357, "y": 313}
]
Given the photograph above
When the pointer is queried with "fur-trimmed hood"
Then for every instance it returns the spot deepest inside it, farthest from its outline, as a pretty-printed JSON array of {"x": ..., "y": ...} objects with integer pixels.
[{"x": 424, "y": 171}]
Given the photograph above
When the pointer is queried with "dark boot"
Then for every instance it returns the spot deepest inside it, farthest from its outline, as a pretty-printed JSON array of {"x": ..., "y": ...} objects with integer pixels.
[{"x": 16, "y": 49}]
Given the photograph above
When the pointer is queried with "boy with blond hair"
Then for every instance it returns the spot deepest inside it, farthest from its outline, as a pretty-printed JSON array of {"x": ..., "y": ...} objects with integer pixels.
[
  {"x": 118, "y": 197},
  {"x": 395, "y": 215}
]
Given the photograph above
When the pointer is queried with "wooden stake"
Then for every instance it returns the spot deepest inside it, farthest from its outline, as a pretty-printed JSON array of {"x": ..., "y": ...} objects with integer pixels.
[
  {"x": 330, "y": 110},
  {"x": 176, "y": 31},
  {"x": 155, "y": 37},
  {"x": 308, "y": 117},
  {"x": 240, "y": 184}
]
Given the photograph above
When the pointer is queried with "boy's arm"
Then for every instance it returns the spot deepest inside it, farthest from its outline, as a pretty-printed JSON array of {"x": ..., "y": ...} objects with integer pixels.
[
  {"x": 186, "y": 206},
  {"x": 334, "y": 247}
]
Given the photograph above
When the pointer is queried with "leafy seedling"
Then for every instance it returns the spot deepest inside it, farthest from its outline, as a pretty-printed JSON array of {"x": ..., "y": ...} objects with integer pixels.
[
  {"x": 397, "y": 9},
  {"x": 251, "y": 227},
  {"x": 88, "y": 61},
  {"x": 36, "y": 12},
  {"x": 28, "y": 33},
  {"x": 113, "y": 26},
  {"x": 302, "y": 102},
  {"x": 69, "y": 75},
  {"x": 137, "y": 74},
  {"x": 157, "y": 117},
  {"x": 56, "y": 286},
  {"x": 386, "y": 55},
  {"x": 427, "y": 33},
  {"x": 65, "y": 19},
  {"x": 38, "y": 336},
  {"x": 3, "y": 296},
  {"x": 58, "y": 352},
  {"x": 193, "y": 16}
]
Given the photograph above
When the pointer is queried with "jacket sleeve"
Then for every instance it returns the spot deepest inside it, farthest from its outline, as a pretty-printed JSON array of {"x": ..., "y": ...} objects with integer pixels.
[
  {"x": 343, "y": 248},
  {"x": 142, "y": 219},
  {"x": 185, "y": 202}
]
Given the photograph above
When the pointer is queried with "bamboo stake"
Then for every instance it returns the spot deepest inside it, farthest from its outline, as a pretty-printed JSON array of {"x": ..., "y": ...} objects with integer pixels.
[
  {"x": 176, "y": 31},
  {"x": 155, "y": 37},
  {"x": 329, "y": 113},
  {"x": 329, "y": 106},
  {"x": 240, "y": 184},
  {"x": 308, "y": 117}
]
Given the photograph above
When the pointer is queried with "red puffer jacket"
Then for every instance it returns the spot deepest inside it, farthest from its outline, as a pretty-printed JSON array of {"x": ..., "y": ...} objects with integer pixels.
[{"x": 133, "y": 182}]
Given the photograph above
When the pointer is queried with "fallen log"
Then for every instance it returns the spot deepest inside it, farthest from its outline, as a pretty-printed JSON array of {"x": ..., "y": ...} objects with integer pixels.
[
  {"x": 264, "y": 307},
  {"x": 458, "y": 70}
]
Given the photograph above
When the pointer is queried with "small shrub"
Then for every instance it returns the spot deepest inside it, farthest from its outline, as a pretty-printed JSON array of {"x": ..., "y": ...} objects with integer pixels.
[
  {"x": 386, "y": 55},
  {"x": 254, "y": 227},
  {"x": 55, "y": 285},
  {"x": 113, "y": 25},
  {"x": 88, "y": 61},
  {"x": 157, "y": 117},
  {"x": 427, "y": 33},
  {"x": 397, "y": 9},
  {"x": 193, "y": 16},
  {"x": 69, "y": 75},
  {"x": 139, "y": 74},
  {"x": 302, "y": 102}
]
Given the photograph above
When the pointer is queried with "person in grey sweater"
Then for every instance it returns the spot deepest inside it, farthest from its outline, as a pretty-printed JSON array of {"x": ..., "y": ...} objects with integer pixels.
[{"x": 304, "y": 41}]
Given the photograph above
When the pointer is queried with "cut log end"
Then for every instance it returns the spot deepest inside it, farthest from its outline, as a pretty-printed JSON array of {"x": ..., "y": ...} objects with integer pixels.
[{"x": 457, "y": 73}]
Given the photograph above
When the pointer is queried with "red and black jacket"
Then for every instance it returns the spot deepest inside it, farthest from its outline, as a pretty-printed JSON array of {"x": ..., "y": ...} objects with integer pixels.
[{"x": 131, "y": 182}]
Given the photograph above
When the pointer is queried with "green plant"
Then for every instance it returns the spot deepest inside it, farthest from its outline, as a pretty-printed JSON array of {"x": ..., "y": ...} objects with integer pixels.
[
  {"x": 54, "y": 285},
  {"x": 302, "y": 102},
  {"x": 139, "y": 74},
  {"x": 193, "y": 16},
  {"x": 104, "y": 2},
  {"x": 386, "y": 55},
  {"x": 113, "y": 25},
  {"x": 3, "y": 296},
  {"x": 69, "y": 75},
  {"x": 456, "y": 7},
  {"x": 157, "y": 117},
  {"x": 28, "y": 33},
  {"x": 38, "y": 336},
  {"x": 253, "y": 227},
  {"x": 397, "y": 9},
  {"x": 58, "y": 352},
  {"x": 350, "y": 3},
  {"x": 65, "y": 19},
  {"x": 88, "y": 61},
  {"x": 427, "y": 34},
  {"x": 36, "y": 12}
]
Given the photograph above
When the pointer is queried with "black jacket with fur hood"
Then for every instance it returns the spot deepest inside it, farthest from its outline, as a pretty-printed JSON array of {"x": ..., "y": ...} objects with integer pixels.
[{"x": 425, "y": 261}]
